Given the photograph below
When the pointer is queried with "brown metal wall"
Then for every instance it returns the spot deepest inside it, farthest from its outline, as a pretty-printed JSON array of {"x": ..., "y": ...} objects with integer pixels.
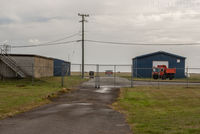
[
  {"x": 39, "y": 66},
  {"x": 43, "y": 67}
]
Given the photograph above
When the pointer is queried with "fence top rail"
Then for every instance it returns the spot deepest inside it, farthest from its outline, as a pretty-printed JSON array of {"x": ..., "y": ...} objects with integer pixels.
[
  {"x": 104, "y": 64},
  {"x": 127, "y": 66}
]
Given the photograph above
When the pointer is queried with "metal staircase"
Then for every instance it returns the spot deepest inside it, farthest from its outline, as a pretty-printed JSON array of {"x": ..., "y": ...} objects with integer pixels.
[{"x": 10, "y": 62}]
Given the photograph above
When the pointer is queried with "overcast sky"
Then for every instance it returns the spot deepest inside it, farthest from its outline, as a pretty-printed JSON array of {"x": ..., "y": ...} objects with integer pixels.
[{"x": 29, "y": 22}]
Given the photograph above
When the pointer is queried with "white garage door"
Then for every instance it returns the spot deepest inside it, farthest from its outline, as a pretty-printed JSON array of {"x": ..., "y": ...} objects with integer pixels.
[{"x": 156, "y": 63}]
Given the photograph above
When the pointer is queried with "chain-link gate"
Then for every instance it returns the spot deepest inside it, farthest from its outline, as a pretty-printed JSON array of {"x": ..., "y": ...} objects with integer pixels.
[{"x": 108, "y": 75}]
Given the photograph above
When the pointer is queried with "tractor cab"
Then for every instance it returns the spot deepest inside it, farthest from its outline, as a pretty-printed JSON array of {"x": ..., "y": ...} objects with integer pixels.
[
  {"x": 160, "y": 69},
  {"x": 156, "y": 70}
]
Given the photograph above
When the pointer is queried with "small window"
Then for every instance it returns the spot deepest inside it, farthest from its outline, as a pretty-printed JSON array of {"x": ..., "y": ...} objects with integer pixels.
[{"x": 178, "y": 60}]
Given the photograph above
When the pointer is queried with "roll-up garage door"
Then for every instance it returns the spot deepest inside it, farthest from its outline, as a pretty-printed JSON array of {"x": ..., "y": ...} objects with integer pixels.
[{"x": 156, "y": 63}]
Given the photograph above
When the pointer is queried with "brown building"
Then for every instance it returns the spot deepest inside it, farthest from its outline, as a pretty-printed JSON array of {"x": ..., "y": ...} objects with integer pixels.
[{"x": 25, "y": 65}]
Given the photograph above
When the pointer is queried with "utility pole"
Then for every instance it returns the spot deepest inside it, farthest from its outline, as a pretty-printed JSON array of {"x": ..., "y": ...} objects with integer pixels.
[{"x": 83, "y": 20}]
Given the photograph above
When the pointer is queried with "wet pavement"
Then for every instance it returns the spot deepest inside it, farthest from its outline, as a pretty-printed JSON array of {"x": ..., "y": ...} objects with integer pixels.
[{"x": 83, "y": 111}]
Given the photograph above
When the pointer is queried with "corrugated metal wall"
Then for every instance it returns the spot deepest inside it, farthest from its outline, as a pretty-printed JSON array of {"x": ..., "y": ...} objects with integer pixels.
[
  {"x": 142, "y": 65},
  {"x": 5, "y": 71},
  {"x": 39, "y": 66},
  {"x": 58, "y": 67},
  {"x": 25, "y": 63},
  {"x": 43, "y": 67}
]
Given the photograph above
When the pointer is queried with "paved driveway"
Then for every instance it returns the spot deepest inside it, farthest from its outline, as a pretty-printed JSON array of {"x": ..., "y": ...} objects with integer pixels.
[{"x": 84, "y": 111}]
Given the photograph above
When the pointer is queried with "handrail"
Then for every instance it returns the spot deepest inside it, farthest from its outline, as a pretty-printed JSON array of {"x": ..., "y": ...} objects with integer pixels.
[
  {"x": 10, "y": 61},
  {"x": 7, "y": 55}
]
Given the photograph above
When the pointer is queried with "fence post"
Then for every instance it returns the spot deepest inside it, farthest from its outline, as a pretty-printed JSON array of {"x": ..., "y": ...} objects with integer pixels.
[
  {"x": 114, "y": 75},
  {"x": 96, "y": 76},
  {"x": 187, "y": 78},
  {"x": 80, "y": 70},
  {"x": 159, "y": 81},
  {"x": 97, "y": 79},
  {"x": 62, "y": 75},
  {"x": 132, "y": 76},
  {"x": 32, "y": 67}
]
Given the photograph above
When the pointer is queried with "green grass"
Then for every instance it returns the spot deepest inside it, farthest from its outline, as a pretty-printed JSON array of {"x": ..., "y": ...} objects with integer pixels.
[
  {"x": 20, "y": 95},
  {"x": 168, "y": 110}
]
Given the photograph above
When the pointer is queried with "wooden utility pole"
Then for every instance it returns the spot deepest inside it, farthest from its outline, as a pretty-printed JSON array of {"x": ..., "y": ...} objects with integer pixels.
[{"x": 82, "y": 21}]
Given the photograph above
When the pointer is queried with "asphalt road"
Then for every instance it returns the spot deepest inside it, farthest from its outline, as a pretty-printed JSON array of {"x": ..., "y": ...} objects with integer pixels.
[{"x": 84, "y": 111}]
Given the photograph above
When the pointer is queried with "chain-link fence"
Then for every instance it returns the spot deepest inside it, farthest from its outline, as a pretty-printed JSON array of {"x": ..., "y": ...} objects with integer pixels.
[
  {"x": 105, "y": 75},
  {"x": 108, "y": 75},
  {"x": 161, "y": 76},
  {"x": 128, "y": 76}
]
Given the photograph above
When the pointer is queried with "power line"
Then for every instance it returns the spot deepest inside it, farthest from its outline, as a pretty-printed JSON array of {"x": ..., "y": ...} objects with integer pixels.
[
  {"x": 70, "y": 36},
  {"x": 48, "y": 44},
  {"x": 55, "y": 42},
  {"x": 143, "y": 44},
  {"x": 109, "y": 42}
]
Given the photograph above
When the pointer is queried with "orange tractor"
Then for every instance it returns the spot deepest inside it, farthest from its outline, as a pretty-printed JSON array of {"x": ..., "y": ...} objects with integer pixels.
[{"x": 161, "y": 71}]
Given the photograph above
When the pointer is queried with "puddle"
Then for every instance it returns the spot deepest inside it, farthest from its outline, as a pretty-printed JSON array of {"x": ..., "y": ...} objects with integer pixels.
[
  {"x": 103, "y": 90},
  {"x": 73, "y": 104},
  {"x": 65, "y": 105},
  {"x": 83, "y": 104},
  {"x": 111, "y": 86}
]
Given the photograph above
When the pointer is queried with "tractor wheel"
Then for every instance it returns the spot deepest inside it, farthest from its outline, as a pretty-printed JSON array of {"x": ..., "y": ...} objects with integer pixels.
[
  {"x": 155, "y": 77},
  {"x": 171, "y": 77}
]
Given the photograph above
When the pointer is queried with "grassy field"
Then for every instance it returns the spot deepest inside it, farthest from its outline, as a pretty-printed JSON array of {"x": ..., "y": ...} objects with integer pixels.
[
  {"x": 20, "y": 95},
  {"x": 168, "y": 110}
]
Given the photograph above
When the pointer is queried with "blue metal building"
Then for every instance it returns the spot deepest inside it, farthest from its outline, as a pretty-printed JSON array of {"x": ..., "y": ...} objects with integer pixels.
[
  {"x": 60, "y": 65},
  {"x": 142, "y": 65}
]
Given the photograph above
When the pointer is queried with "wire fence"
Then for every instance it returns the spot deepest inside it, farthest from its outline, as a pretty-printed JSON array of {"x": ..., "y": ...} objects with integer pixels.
[
  {"x": 128, "y": 76},
  {"x": 108, "y": 75}
]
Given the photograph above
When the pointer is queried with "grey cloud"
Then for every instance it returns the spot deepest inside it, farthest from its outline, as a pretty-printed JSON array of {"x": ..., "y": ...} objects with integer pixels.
[
  {"x": 4, "y": 21},
  {"x": 39, "y": 19},
  {"x": 187, "y": 3},
  {"x": 113, "y": 20}
]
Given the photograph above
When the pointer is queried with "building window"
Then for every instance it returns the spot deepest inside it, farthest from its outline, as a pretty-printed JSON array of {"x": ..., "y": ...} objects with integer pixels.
[{"x": 178, "y": 60}]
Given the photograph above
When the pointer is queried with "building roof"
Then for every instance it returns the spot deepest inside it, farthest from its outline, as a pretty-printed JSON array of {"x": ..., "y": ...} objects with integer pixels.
[
  {"x": 31, "y": 55},
  {"x": 160, "y": 52},
  {"x": 34, "y": 55},
  {"x": 62, "y": 60}
]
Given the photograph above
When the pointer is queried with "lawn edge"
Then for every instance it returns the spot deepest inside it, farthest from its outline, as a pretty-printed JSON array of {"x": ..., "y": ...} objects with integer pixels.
[
  {"x": 115, "y": 106},
  {"x": 47, "y": 99}
]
